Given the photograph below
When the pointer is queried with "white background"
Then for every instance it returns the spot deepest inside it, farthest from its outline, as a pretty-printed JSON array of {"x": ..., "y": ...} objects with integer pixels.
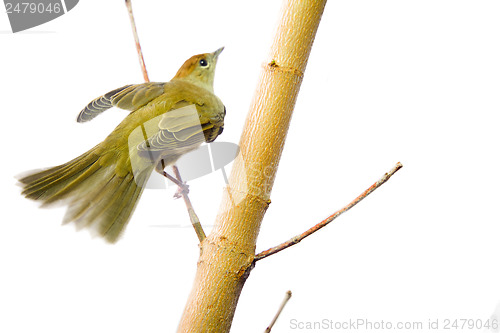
[{"x": 387, "y": 81}]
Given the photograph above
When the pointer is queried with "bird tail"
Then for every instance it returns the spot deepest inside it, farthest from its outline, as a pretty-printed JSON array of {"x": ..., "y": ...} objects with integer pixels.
[{"x": 97, "y": 196}]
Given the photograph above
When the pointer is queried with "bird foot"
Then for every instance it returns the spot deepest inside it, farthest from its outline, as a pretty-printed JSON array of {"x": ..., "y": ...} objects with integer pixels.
[{"x": 181, "y": 190}]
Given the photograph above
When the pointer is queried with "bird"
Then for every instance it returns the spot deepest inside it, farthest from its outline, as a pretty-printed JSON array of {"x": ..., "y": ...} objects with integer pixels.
[{"x": 102, "y": 186}]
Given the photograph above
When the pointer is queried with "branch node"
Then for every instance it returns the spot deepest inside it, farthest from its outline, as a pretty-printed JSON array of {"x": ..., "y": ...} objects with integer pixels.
[
  {"x": 266, "y": 202},
  {"x": 273, "y": 66},
  {"x": 296, "y": 240}
]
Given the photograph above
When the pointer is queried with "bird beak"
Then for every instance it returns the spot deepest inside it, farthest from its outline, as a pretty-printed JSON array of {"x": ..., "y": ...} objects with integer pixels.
[{"x": 216, "y": 53}]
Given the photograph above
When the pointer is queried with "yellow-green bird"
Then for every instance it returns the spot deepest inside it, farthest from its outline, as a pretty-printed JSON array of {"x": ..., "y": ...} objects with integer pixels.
[{"x": 166, "y": 120}]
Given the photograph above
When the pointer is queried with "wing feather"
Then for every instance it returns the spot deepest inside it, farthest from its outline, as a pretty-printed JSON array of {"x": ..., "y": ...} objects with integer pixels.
[
  {"x": 129, "y": 97},
  {"x": 178, "y": 129}
]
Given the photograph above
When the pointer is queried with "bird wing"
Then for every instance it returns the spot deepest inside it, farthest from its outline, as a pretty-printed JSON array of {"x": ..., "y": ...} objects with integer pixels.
[
  {"x": 178, "y": 129},
  {"x": 130, "y": 97}
]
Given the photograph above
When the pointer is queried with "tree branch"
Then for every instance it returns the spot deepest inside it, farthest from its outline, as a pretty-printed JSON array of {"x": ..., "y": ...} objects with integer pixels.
[
  {"x": 227, "y": 254},
  {"x": 288, "y": 295},
  {"x": 195, "y": 221},
  {"x": 128, "y": 3},
  {"x": 298, "y": 238}
]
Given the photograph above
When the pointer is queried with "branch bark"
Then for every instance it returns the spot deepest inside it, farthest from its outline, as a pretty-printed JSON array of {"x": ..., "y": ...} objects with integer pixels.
[{"x": 227, "y": 254}]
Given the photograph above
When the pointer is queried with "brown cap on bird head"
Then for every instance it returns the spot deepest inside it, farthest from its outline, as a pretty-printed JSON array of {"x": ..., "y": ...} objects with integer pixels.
[{"x": 200, "y": 68}]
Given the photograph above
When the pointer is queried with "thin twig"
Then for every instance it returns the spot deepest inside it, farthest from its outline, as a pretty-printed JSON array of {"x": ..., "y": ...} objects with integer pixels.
[
  {"x": 332, "y": 217},
  {"x": 285, "y": 300},
  {"x": 128, "y": 3},
  {"x": 195, "y": 221}
]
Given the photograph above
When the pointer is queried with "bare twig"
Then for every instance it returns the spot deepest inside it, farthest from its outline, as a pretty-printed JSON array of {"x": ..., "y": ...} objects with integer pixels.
[
  {"x": 128, "y": 3},
  {"x": 285, "y": 300},
  {"x": 195, "y": 221},
  {"x": 192, "y": 215},
  {"x": 332, "y": 217}
]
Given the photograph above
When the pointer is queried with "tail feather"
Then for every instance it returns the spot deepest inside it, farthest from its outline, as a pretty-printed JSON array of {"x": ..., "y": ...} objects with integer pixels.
[
  {"x": 60, "y": 191},
  {"x": 44, "y": 184},
  {"x": 79, "y": 208},
  {"x": 97, "y": 196},
  {"x": 116, "y": 218},
  {"x": 101, "y": 210}
]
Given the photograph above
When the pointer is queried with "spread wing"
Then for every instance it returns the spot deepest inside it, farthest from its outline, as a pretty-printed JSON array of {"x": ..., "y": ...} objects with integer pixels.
[{"x": 130, "y": 97}]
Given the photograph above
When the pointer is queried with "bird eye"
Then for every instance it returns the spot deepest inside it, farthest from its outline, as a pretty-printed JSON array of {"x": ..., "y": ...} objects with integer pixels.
[{"x": 203, "y": 63}]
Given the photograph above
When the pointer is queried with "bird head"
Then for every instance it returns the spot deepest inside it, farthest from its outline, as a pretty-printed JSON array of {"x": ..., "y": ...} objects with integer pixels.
[{"x": 200, "y": 69}]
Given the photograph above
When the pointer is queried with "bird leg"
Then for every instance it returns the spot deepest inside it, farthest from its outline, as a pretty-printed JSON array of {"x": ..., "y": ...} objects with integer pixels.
[
  {"x": 183, "y": 188},
  {"x": 183, "y": 191}
]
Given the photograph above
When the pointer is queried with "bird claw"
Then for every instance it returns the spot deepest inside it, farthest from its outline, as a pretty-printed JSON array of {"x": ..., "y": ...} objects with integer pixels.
[{"x": 181, "y": 190}]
